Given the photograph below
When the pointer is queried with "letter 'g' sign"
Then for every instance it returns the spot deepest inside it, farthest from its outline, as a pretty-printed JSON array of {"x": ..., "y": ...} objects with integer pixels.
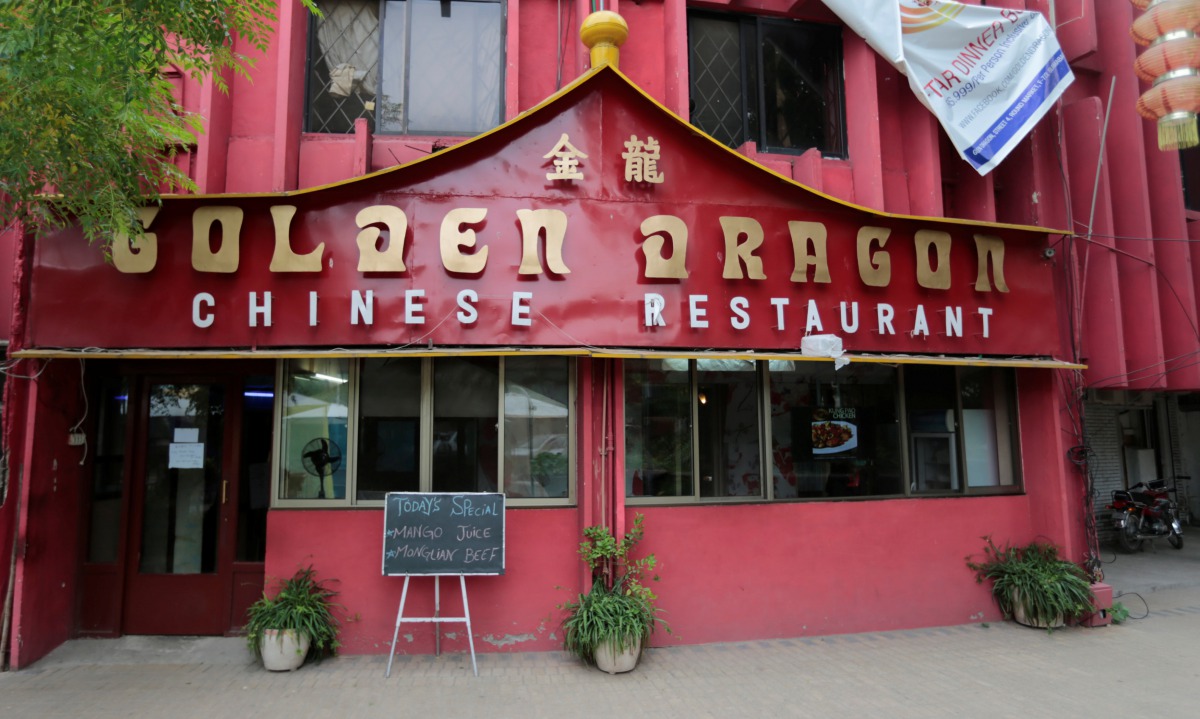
[{"x": 443, "y": 533}]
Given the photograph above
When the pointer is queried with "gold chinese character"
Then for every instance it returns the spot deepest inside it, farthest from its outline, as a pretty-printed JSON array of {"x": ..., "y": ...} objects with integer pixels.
[
  {"x": 566, "y": 161},
  {"x": 641, "y": 160}
]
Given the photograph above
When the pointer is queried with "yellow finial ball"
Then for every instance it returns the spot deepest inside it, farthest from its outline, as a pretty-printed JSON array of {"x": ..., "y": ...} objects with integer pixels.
[{"x": 603, "y": 33}]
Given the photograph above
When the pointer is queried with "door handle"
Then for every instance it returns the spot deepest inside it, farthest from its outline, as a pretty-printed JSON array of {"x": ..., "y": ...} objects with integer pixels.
[{"x": 224, "y": 491}]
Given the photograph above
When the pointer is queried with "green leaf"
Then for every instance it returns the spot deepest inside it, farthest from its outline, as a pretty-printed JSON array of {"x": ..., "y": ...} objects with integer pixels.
[
  {"x": 618, "y": 608},
  {"x": 302, "y": 603},
  {"x": 89, "y": 142}
]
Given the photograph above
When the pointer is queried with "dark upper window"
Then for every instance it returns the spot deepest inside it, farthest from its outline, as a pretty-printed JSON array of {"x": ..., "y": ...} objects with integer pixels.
[
  {"x": 408, "y": 66},
  {"x": 775, "y": 82},
  {"x": 1190, "y": 165}
]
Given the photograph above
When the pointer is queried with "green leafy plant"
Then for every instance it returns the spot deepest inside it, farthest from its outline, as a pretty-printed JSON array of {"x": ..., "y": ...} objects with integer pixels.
[
  {"x": 1118, "y": 613},
  {"x": 91, "y": 124},
  {"x": 1034, "y": 582},
  {"x": 302, "y": 603},
  {"x": 619, "y": 608},
  {"x": 548, "y": 465}
]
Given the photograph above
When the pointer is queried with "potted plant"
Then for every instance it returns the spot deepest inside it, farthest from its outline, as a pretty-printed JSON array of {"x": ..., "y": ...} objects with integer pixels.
[
  {"x": 298, "y": 621},
  {"x": 1033, "y": 585},
  {"x": 609, "y": 625}
]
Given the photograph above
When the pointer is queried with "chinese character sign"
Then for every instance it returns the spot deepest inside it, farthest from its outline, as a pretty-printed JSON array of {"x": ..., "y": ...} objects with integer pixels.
[
  {"x": 566, "y": 160},
  {"x": 641, "y": 160}
]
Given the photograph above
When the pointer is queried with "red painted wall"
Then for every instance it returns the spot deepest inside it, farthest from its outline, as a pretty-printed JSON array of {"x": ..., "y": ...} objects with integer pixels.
[
  {"x": 8, "y": 246},
  {"x": 780, "y": 570},
  {"x": 513, "y": 612},
  {"x": 49, "y": 536},
  {"x": 727, "y": 572}
]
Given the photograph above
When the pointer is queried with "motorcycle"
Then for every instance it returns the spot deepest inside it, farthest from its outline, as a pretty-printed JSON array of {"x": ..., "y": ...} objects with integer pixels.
[{"x": 1145, "y": 511}]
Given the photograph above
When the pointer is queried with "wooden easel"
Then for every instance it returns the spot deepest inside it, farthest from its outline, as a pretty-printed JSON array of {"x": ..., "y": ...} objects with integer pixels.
[{"x": 436, "y": 619}]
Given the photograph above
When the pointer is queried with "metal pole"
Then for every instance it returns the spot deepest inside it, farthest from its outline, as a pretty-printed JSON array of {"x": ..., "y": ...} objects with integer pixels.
[
  {"x": 462, "y": 582},
  {"x": 396, "y": 634}
]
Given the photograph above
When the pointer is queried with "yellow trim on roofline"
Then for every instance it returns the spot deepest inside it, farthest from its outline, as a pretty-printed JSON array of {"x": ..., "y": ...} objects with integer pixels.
[
  {"x": 580, "y": 81},
  {"x": 597, "y": 352}
]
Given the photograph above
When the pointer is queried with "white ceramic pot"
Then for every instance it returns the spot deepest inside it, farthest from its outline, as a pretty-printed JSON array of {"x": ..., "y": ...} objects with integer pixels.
[
  {"x": 1020, "y": 618},
  {"x": 609, "y": 659},
  {"x": 283, "y": 651}
]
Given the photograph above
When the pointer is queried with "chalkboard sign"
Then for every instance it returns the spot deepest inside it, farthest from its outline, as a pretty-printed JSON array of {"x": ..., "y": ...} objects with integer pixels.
[{"x": 443, "y": 533}]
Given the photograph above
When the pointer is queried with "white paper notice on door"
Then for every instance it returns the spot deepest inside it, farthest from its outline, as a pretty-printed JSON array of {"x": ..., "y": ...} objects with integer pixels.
[
  {"x": 186, "y": 455},
  {"x": 187, "y": 434}
]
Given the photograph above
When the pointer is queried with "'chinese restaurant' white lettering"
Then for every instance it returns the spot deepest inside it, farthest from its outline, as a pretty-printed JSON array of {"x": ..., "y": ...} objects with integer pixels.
[
  {"x": 262, "y": 310},
  {"x": 199, "y": 318},
  {"x": 654, "y": 312}
]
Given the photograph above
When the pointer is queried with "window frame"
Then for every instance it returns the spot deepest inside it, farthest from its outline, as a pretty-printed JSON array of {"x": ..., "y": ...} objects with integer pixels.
[
  {"x": 753, "y": 96},
  {"x": 425, "y": 468},
  {"x": 1008, "y": 454},
  {"x": 374, "y": 116}
]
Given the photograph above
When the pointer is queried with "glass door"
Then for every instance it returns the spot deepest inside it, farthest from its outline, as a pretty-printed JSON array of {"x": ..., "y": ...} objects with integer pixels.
[{"x": 180, "y": 570}]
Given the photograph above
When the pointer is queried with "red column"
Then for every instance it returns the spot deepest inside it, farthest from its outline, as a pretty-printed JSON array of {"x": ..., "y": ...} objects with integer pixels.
[
  {"x": 862, "y": 121},
  {"x": 289, "y": 50},
  {"x": 1130, "y": 203},
  {"x": 1098, "y": 294}
]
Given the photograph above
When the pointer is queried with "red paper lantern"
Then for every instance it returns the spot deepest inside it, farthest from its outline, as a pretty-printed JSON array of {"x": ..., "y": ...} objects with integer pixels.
[{"x": 1172, "y": 64}]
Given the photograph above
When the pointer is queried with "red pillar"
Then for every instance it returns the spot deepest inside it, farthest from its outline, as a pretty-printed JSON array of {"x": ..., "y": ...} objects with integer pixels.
[{"x": 1130, "y": 203}]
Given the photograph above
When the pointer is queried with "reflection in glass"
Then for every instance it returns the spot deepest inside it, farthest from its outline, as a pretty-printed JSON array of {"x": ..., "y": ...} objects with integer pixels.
[
  {"x": 465, "y": 417},
  {"x": 183, "y": 479},
  {"x": 389, "y": 427},
  {"x": 658, "y": 430},
  {"x": 802, "y": 102},
  {"x": 442, "y": 66},
  {"x": 108, "y": 471},
  {"x": 537, "y": 456},
  {"x": 727, "y": 414},
  {"x": 988, "y": 433},
  {"x": 254, "y": 489},
  {"x": 835, "y": 433},
  {"x": 930, "y": 399},
  {"x": 315, "y": 413}
]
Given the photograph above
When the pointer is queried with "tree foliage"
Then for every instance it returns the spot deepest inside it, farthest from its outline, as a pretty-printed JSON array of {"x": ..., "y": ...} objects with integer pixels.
[{"x": 89, "y": 125}]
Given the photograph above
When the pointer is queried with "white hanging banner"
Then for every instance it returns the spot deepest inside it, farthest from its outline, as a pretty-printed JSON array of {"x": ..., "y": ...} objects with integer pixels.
[{"x": 987, "y": 74}]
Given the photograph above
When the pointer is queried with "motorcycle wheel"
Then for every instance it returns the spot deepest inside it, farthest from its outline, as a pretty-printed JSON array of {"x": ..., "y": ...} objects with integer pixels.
[
  {"x": 1127, "y": 539},
  {"x": 1176, "y": 540}
]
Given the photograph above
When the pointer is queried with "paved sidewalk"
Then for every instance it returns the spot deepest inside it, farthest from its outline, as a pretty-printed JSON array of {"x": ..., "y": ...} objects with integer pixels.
[
  {"x": 1145, "y": 667},
  {"x": 1156, "y": 567}
]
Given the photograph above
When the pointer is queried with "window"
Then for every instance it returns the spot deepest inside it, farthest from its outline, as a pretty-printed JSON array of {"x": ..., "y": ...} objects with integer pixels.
[
  {"x": 408, "y": 66},
  {"x": 1189, "y": 162},
  {"x": 1139, "y": 443},
  {"x": 452, "y": 424},
  {"x": 775, "y": 82},
  {"x": 716, "y": 429},
  {"x": 108, "y": 478}
]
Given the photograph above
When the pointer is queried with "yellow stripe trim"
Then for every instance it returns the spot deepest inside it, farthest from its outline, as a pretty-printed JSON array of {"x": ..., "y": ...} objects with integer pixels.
[
  {"x": 600, "y": 353},
  {"x": 579, "y": 82}
]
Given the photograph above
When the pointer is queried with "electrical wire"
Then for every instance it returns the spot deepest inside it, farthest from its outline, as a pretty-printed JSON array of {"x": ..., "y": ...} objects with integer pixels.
[
  {"x": 75, "y": 429},
  {"x": 83, "y": 391},
  {"x": 1161, "y": 276},
  {"x": 1144, "y": 603},
  {"x": 1131, "y": 238},
  {"x": 6, "y": 370}
]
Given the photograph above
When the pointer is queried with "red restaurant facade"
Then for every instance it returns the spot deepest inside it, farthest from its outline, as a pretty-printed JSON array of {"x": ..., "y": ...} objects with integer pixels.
[{"x": 823, "y": 375}]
